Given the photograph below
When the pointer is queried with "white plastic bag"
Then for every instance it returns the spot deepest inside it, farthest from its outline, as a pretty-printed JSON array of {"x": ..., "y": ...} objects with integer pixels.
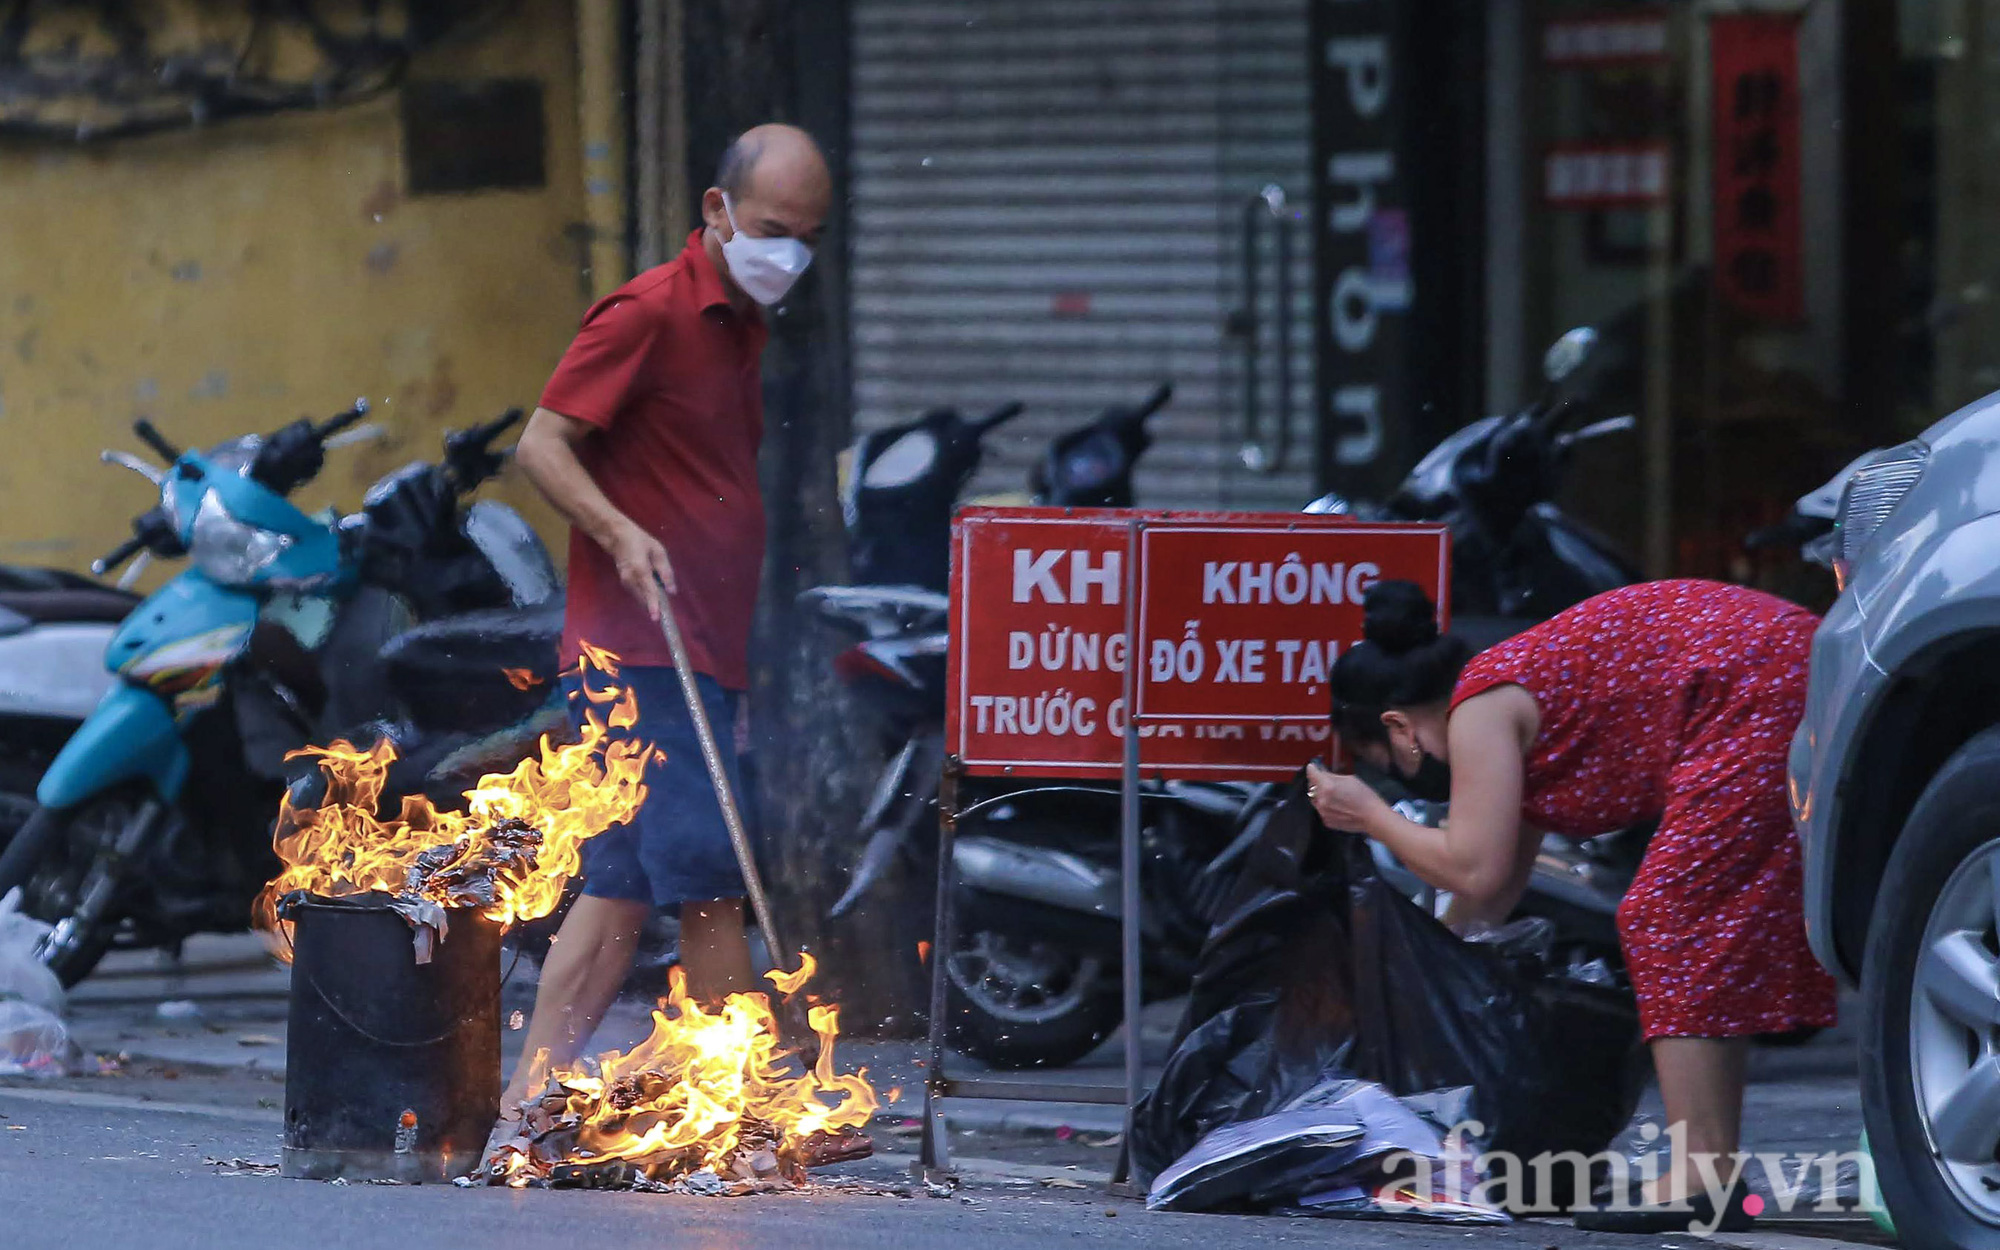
[
  {"x": 22, "y": 975},
  {"x": 33, "y": 1039}
]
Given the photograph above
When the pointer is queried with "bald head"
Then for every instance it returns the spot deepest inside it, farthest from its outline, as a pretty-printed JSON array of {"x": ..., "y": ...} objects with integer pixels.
[{"x": 777, "y": 182}]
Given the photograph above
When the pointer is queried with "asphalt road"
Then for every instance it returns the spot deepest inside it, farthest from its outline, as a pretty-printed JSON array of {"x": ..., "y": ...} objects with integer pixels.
[
  {"x": 129, "y": 1157},
  {"x": 141, "y": 1178}
]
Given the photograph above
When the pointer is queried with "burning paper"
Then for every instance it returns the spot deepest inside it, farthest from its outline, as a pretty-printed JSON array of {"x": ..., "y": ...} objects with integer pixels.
[
  {"x": 508, "y": 853},
  {"x": 703, "y": 1105}
]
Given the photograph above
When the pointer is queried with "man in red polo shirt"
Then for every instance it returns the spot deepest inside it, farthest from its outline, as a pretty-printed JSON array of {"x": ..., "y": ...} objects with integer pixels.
[{"x": 646, "y": 440}]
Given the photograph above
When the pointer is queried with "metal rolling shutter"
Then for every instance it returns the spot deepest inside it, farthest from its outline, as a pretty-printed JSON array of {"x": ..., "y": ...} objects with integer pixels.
[{"x": 1048, "y": 206}]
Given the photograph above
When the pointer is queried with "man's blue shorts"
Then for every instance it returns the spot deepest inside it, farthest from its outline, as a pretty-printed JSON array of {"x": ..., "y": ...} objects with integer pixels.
[{"x": 677, "y": 849}]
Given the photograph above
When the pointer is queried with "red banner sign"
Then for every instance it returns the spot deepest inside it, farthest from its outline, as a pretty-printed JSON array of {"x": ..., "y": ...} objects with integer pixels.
[
  {"x": 1759, "y": 248},
  {"x": 1238, "y": 619}
]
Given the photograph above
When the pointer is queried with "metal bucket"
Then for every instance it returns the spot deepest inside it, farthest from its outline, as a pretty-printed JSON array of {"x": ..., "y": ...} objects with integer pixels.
[{"x": 392, "y": 1069}]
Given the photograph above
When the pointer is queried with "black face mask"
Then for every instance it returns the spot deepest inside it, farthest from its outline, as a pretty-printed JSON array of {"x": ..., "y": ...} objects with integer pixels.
[{"x": 1431, "y": 782}]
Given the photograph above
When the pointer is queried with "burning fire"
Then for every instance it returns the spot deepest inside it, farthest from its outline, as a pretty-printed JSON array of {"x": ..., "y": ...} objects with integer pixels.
[
  {"x": 509, "y": 852},
  {"x": 704, "y": 1093}
]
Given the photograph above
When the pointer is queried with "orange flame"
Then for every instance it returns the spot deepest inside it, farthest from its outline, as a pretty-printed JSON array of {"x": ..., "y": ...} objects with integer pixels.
[
  {"x": 703, "y": 1086},
  {"x": 789, "y": 983},
  {"x": 598, "y": 658},
  {"x": 521, "y": 678},
  {"x": 567, "y": 794}
]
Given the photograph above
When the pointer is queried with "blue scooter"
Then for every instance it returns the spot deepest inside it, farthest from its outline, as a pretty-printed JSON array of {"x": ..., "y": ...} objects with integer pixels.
[{"x": 220, "y": 672}]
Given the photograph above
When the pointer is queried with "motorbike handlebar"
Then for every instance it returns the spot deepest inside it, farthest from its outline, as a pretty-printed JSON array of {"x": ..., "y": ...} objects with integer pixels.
[
  {"x": 151, "y": 436},
  {"x": 151, "y": 531},
  {"x": 468, "y": 458},
  {"x": 1549, "y": 418},
  {"x": 484, "y": 434},
  {"x": 998, "y": 417},
  {"x": 1595, "y": 430},
  {"x": 118, "y": 555},
  {"x": 1152, "y": 403},
  {"x": 334, "y": 425}
]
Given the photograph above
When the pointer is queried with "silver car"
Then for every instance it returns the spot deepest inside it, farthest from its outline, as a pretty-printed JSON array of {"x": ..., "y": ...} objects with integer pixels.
[{"x": 1895, "y": 782}]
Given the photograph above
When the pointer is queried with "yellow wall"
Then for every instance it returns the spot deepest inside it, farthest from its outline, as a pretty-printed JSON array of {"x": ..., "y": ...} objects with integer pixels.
[{"x": 232, "y": 279}]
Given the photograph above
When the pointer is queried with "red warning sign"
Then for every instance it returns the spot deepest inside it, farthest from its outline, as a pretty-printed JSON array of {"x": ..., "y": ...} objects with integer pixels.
[{"x": 1234, "y": 621}]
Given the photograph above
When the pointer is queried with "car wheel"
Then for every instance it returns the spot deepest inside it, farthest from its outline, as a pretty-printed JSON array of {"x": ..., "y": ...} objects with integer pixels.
[{"x": 1930, "y": 1032}]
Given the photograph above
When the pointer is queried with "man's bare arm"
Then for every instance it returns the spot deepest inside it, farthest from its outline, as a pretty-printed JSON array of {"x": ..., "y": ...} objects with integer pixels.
[{"x": 547, "y": 454}]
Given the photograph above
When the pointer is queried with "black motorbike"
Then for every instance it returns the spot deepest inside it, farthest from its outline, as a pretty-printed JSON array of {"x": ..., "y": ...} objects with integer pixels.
[
  {"x": 1031, "y": 978},
  {"x": 903, "y": 487},
  {"x": 1517, "y": 557},
  {"x": 1034, "y": 975}
]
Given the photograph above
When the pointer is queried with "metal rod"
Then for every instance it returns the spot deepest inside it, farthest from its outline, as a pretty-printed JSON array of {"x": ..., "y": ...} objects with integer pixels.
[
  {"x": 1030, "y": 1091},
  {"x": 1249, "y": 326},
  {"x": 1282, "y": 438},
  {"x": 1659, "y": 402},
  {"x": 934, "y": 1153},
  {"x": 648, "y": 107},
  {"x": 1128, "y": 854},
  {"x": 739, "y": 838}
]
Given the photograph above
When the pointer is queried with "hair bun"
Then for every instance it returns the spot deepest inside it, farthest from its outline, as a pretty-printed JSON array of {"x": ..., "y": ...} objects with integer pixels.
[{"x": 1398, "y": 616}]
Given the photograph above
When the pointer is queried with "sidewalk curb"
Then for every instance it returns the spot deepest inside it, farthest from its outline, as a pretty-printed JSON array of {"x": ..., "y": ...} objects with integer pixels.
[
  {"x": 1757, "y": 1240},
  {"x": 1023, "y": 1117},
  {"x": 973, "y": 1167},
  {"x": 121, "y": 1102}
]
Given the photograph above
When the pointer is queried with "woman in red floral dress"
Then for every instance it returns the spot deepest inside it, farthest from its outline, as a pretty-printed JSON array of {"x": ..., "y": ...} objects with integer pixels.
[{"x": 1675, "y": 700}]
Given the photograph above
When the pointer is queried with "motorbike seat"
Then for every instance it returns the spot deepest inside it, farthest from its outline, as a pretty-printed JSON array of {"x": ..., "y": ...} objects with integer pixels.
[
  {"x": 70, "y": 605},
  {"x": 469, "y": 672},
  {"x": 518, "y": 637}
]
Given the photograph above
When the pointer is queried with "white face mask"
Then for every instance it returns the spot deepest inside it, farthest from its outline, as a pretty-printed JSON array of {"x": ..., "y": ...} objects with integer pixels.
[{"x": 764, "y": 268}]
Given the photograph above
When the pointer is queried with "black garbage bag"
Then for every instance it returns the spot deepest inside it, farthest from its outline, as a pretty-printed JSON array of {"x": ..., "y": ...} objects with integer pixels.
[{"x": 1320, "y": 967}]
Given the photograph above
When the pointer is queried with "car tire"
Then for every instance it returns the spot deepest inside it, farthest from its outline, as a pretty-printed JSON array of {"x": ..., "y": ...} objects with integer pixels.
[{"x": 1953, "y": 830}]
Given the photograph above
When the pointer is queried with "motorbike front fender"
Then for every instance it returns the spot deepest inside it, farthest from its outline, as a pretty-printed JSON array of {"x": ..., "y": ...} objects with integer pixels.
[{"x": 130, "y": 736}]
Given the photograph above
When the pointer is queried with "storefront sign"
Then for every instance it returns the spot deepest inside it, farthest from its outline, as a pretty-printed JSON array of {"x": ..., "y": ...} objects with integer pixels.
[
  {"x": 1238, "y": 617},
  {"x": 1626, "y": 176},
  {"x": 1358, "y": 329},
  {"x": 1620, "y": 39},
  {"x": 1759, "y": 261},
  {"x": 1397, "y": 165}
]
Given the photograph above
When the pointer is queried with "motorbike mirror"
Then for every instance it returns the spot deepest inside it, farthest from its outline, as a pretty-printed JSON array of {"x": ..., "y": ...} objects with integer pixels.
[
  {"x": 1568, "y": 354},
  {"x": 901, "y": 462},
  {"x": 1825, "y": 502},
  {"x": 126, "y": 460}
]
